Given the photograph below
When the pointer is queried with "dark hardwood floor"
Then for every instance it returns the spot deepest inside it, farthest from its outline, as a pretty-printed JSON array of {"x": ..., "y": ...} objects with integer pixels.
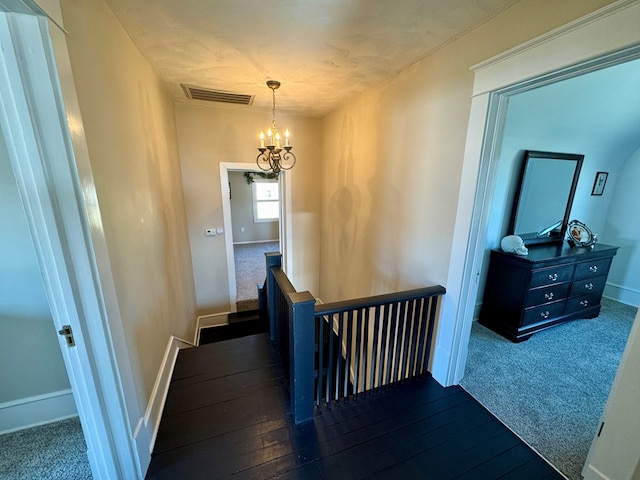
[{"x": 226, "y": 416}]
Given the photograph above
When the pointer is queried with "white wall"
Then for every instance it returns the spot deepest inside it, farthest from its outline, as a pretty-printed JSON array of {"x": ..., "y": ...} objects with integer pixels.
[
  {"x": 595, "y": 115},
  {"x": 244, "y": 228},
  {"x": 30, "y": 360}
]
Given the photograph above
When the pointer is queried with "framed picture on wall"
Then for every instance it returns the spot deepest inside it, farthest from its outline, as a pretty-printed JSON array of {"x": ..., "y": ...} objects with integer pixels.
[{"x": 599, "y": 183}]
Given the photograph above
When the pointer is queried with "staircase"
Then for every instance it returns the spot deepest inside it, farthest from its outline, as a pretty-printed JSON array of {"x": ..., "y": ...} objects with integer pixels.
[{"x": 239, "y": 325}]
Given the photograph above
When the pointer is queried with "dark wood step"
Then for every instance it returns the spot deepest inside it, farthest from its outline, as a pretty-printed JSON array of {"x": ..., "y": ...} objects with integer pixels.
[{"x": 240, "y": 325}]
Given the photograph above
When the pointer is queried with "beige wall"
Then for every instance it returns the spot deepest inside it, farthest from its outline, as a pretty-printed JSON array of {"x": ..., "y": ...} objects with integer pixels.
[
  {"x": 130, "y": 131},
  {"x": 392, "y": 161},
  {"x": 209, "y": 135}
]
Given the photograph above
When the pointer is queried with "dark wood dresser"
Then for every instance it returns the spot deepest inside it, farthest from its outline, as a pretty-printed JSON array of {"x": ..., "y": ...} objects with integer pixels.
[{"x": 553, "y": 284}]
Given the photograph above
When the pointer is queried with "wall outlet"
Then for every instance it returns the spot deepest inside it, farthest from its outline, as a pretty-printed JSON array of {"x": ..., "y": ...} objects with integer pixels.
[
  {"x": 209, "y": 232},
  {"x": 242, "y": 229}
]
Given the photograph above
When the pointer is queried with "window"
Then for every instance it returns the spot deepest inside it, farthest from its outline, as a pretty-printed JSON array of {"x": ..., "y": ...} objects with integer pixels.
[{"x": 266, "y": 201}]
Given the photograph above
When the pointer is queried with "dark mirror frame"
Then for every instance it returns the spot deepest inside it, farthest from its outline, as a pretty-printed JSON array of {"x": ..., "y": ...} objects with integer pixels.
[{"x": 557, "y": 234}]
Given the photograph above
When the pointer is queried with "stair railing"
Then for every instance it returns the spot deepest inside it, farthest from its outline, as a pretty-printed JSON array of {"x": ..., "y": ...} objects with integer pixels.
[{"x": 339, "y": 351}]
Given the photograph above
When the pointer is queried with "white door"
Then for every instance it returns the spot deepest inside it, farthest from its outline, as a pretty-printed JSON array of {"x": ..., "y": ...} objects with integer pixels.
[{"x": 615, "y": 451}]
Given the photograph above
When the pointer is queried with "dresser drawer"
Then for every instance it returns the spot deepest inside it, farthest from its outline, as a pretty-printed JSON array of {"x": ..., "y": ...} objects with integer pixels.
[
  {"x": 576, "y": 304},
  {"x": 547, "y": 294},
  {"x": 593, "y": 268},
  {"x": 547, "y": 276},
  {"x": 588, "y": 285},
  {"x": 543, "y": 313}
]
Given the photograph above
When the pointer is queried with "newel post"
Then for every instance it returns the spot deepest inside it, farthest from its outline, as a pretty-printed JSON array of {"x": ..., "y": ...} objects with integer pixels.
[
  {"x": 301, "y": 354},
  {"x": 273, "y": 259}
]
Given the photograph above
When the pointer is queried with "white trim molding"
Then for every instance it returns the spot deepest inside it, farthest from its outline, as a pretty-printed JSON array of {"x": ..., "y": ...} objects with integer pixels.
[
  {"x": 37, "y": 410},
  {"x": 147, "y": 427},
  {"x": 622, "y": 294}
]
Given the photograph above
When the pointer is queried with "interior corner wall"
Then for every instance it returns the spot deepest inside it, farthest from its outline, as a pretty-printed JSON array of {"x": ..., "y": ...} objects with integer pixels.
[
  {"x": 392, "y": 161},
  {"x": 245, "y": 230},
  {"x": 622, "y": 228},
  {"x": 129, "y": 124},
  {"x": 208, "y": 135}
]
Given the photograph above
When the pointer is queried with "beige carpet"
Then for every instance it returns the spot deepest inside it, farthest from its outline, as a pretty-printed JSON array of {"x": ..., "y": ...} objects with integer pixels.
[{"x": 250, "y": 272}]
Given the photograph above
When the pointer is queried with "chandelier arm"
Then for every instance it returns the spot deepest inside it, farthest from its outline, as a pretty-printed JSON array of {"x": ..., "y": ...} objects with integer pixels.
[
  {"x": 263, "y": 158},
  {"x": 288, "y": 157}
]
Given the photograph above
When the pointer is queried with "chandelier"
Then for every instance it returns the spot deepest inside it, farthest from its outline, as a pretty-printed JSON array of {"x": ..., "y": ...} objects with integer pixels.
[{"x": 271, "y": 156}]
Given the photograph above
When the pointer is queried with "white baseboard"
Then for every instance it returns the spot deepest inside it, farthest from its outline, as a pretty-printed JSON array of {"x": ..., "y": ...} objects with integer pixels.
[
  {"x": 622, "y": 294},
  {"x": 37, "y": 410},
  {"x": 255, "y": 241},
  {"x": 147, "y": 427}
]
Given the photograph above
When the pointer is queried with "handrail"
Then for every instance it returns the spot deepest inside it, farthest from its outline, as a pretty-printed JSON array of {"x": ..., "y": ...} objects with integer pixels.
[
  {"x": 336, "y": 351},
  {"x": 366, "y": 302}
]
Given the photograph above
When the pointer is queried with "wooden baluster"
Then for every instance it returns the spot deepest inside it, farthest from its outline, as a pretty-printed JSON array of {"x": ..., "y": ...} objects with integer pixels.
[
  {"x": 399, "y": 338},
  {"x": 415, "y": 318},
  {"x": 330, "y": 367},
  {"x": 339, "y": 358},
  {"x": 365, "y": 346},
  {"x": 348, "y": 353},
  {"x": 356, "y": 352},
  {"x": 392, "y": 320},
  {"x": 374, "y": 347},
  {"x": 384, "y": 326},
  {"x": 433, "y": 306},
  {"x": 422, "y": 335},
  {"x": 319, "y": 323},
  {"x": 406, "y": 333}
]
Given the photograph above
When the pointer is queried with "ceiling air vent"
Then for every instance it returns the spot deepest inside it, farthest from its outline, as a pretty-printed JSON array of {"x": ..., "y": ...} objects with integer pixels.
[{"x": 199, "y": 93}]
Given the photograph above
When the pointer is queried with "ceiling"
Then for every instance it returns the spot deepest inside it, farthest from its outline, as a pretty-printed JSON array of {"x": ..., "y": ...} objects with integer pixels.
[{"x": 324, "y": 52}]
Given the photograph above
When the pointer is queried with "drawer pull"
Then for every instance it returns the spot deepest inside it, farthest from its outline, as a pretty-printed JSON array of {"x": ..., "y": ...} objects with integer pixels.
[
  {"x": 589, "y": 286},
  {"x": 584, "y": 303},
  {"x": 545, "y": 314},
  {"x": 593, "y": 268},
  {"x": 548, "y": 296},
  {"x": 553, "y": 277}
]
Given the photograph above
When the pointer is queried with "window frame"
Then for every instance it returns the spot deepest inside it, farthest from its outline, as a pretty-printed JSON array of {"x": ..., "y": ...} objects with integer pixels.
[{"x": 255, "y": 201}]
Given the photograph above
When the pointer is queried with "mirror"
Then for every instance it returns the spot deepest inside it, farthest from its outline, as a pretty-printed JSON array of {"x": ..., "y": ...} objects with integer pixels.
[{"x": 544, "y": 197}]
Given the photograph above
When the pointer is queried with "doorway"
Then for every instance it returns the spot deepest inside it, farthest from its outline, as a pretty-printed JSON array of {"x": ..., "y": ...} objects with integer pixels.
[
  {"x": 574, "y": 360},
  {"x": 39, "y": 423},
  {"x": 255, "y": 243},
  {"x": 519, "y": 70},
  {"x": 255, "y": 218}
]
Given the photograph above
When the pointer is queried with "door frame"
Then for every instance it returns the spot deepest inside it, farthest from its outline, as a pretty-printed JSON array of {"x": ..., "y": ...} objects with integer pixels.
[
  {"x": 64, "y": 222},
  {"x": 284, "y": 223},
  {"x": 603, "y": 38}
]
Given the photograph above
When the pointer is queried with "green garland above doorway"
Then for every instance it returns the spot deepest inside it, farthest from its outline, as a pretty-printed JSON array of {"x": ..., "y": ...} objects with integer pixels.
[{"x": 268, "y": 175}]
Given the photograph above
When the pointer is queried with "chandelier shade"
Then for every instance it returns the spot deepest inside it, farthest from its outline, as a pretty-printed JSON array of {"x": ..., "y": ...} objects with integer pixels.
[{"x": 275, "y": 157}]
